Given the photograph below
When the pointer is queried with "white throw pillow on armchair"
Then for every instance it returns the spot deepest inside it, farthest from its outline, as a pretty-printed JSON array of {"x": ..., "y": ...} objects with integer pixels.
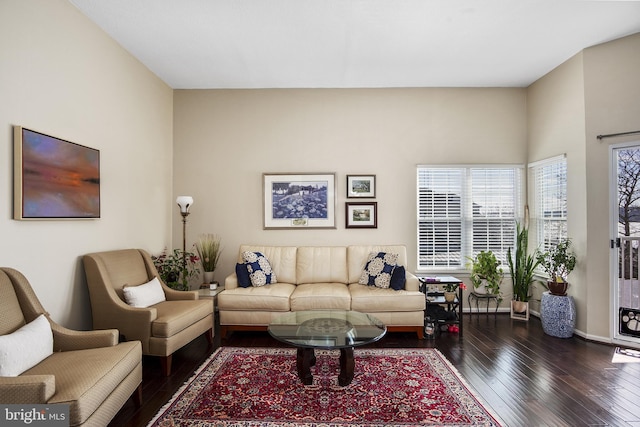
[{"x": 26, "y": 347}]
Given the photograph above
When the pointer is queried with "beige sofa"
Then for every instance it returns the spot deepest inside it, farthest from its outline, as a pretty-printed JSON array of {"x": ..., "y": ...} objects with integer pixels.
[
  {"x": 320, "y": 278},
  {"x": 87, "y": 370}
]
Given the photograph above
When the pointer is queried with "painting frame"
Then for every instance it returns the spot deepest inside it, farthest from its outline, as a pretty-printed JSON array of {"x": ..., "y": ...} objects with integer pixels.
[
  {"x": 361, "y": 215},
  {"x": 54, "y": 179},
  {"x": 299, "y": 200},
  {"x": 361, "y": 186}
]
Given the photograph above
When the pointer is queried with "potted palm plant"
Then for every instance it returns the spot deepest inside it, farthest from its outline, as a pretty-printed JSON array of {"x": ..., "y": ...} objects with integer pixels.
[
  {"x": 558, "y": 262},
  {"x": 522, "y": 266},
  {"x": 209, "y": 250},
  {"x": 485, "y": 274}
]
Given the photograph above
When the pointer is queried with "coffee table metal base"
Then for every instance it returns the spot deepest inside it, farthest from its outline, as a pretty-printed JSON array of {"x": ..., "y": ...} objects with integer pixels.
[{"x": 306, "y": 358}]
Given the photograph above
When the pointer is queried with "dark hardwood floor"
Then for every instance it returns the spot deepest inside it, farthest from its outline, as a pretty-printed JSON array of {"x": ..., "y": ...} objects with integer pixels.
[{"x": 527, "y": 377}]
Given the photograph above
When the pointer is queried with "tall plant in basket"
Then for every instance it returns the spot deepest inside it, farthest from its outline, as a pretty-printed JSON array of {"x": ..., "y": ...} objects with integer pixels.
[
  {"x": 522, "y": 267},
  {"x": 209, "y": 250}
]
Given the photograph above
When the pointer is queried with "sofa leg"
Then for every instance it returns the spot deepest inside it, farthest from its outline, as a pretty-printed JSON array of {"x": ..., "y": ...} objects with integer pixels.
[
  {"x": 166, "y": 364},
  {"x": 137, "y": 397}
]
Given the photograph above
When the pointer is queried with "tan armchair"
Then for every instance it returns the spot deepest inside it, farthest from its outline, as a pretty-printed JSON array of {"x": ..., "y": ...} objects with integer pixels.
[
  {"x": 88, "y": 370},
  {"x": 162, "y": 328}
]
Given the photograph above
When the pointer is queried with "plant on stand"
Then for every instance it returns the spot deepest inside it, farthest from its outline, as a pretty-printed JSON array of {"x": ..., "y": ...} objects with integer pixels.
[
  {"x": 209, "y": 250},
  {"x": 558, "y": 262},
  {"x": 522, "y": 266},
  {"x": 485, "y": 274},
  {"x": 176, "y": 268}
]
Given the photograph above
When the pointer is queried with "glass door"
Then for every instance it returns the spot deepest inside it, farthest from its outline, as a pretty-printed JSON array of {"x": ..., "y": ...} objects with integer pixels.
[{"x": 626, "y": 241}]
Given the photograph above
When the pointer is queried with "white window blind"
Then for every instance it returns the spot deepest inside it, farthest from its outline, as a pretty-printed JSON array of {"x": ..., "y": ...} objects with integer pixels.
[
  {"x": 549, "y": 179},
  {"x": 464, "y": 210}
]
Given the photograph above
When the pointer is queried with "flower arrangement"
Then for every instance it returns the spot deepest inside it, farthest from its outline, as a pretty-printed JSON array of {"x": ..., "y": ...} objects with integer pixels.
[
  {"x": 176, "y": 268},
  {"x": 208, "y": 247},
  {"x": 452, "y": 287}
]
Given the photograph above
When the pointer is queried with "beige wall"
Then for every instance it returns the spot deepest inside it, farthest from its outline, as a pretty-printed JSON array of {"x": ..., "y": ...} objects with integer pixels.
[
  {"x": 61, "y": 75},
  {"x": 596, "y": 92},
  {"x": 225, "y": 139},
  {"x": 612, "y": 94},
  {"x": 556, "y": 126}
]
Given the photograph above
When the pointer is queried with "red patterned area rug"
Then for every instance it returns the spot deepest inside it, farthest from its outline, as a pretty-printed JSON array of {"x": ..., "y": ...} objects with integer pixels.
[{"x": 260, "y": 387}]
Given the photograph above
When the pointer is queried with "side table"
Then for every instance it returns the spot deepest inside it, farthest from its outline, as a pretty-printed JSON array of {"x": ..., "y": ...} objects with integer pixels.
[
  {"x": 558, "y": 315},
  {"x": 488, "y": 297},
  {"x": 437, "y": 298},
  {"x": 211, "y": 293}
]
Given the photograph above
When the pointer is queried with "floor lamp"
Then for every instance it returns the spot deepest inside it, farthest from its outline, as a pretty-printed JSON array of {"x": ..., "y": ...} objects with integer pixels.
[{"x": 185, "y": 203}]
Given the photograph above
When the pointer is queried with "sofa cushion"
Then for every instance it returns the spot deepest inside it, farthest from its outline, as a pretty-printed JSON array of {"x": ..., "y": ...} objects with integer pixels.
[
  {"x": 357, "y": 256},
  {"x": 86, "y": 378},
  {"x": 398, "y": 278},
  {"x": 259, "y": 268},
  {"x": 281, "y": 258},
  {"x": 321, "y": 296},
  {"x": 322, "y": 264},
  {"x": 274, "y": 297},
  {"x": 144, "y": 295},
  {"x": 242, "y": 275},
  {"x": 26, "y": 347},
  {"x": 368, "y": 299},
  {"x": 378, "y": 269},
  {"x": 175, "y": 316}
]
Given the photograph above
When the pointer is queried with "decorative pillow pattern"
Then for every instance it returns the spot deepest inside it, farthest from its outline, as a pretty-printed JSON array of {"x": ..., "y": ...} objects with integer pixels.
[
  {"x": 243, "y": 275},
  {"x": 398, "y": 278},
  {"x": 26, "y": 347},
  {"x": 144, "y": 295},
  {"x": 378, "y": 269},
  {"x": 259, "y": 268}
]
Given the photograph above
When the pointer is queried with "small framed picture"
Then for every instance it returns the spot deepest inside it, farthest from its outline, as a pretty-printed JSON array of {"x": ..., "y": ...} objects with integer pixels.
[
  {"x": 363, "y": 186},
  {"x": 361, "y": 215}
]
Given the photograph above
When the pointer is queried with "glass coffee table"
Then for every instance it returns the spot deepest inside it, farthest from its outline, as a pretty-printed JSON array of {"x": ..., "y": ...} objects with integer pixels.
[{"x": 332, "y": 330}]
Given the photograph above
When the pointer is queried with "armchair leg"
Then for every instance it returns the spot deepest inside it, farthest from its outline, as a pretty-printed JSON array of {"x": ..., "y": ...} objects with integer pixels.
[
  {"x": 137, "y": 397},
  {"x": 166, "y": 364},
  {"x": 210, "y": 337}
]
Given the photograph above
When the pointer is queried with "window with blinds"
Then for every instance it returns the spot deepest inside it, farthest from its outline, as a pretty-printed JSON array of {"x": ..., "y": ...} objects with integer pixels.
[
  {"x": 549, "y": 178},
  {"x": 465, "y": 210}
]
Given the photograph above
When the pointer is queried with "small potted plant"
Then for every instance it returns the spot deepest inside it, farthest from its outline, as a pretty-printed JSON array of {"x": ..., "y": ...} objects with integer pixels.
[
  {"x": 176, "y": 268},
  {"x": 522, "y": 267},
  {"x": 558, "y": 262},
  {"x": 209, "y": 250},
  {"x": 485, "y": 274}
]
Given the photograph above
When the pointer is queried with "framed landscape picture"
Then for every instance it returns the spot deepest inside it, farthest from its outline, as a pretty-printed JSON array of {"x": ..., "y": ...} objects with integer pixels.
[
  {"x": 363, "y": 186},
  {"x": 54, "y": 178},
  {"x": 299, "y": 200},
  {"x": 361, "y": 215}
]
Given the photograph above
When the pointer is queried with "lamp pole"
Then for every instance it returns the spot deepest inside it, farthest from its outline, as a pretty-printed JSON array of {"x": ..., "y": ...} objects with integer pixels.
[{"x": 185, "y": 203}]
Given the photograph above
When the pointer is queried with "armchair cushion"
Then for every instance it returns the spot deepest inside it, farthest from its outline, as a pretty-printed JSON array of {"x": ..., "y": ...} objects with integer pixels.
[
  {"x": 26, "y": 347},
  {"x": 144, "y": 295}
]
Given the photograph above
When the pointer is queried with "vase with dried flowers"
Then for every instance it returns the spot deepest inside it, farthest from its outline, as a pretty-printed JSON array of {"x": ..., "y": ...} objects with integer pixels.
[{"x": 209, "y": 250}]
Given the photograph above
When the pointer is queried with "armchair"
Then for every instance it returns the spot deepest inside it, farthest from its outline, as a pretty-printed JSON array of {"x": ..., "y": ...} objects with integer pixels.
[
  {"x": 162, "y": 328},
  {"x": 88, "y": 370}
]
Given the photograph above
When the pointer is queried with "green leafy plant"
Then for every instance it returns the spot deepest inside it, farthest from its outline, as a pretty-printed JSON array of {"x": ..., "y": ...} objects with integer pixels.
[
  {"x": 452, "y": 287},
  {"x": 485, "y": 269},
  {"x": 176, "y": 268},
  {"x": 209, "y": 250},
  {"x": 558, "y": 261},
  {"x": 522, "y": 265}
]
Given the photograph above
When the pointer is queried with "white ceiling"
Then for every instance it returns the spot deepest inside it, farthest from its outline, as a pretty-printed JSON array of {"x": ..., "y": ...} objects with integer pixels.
[{"x": 358, "y": 43}]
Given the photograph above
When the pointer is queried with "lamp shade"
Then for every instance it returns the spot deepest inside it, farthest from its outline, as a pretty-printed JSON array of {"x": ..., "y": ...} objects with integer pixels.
[{"x": 185, "y": 203}]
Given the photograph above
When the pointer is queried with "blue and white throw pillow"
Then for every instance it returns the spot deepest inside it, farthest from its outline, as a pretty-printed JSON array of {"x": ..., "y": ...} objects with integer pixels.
[
  {"x": 259, "y": 268},
  {"x": 379, "y": 269}
]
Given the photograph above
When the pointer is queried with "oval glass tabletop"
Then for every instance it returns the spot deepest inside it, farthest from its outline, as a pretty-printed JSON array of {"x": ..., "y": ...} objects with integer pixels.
[{"x": 327, "y": 329}]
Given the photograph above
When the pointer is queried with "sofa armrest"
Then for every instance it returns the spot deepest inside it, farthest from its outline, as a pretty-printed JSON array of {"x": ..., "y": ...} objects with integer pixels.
[
  {"x": 231, "y": 281},
  {"x": 67, "y": 340},
  {"x": 412, "y": 283},
  {"x": 27, "y": 389}
]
